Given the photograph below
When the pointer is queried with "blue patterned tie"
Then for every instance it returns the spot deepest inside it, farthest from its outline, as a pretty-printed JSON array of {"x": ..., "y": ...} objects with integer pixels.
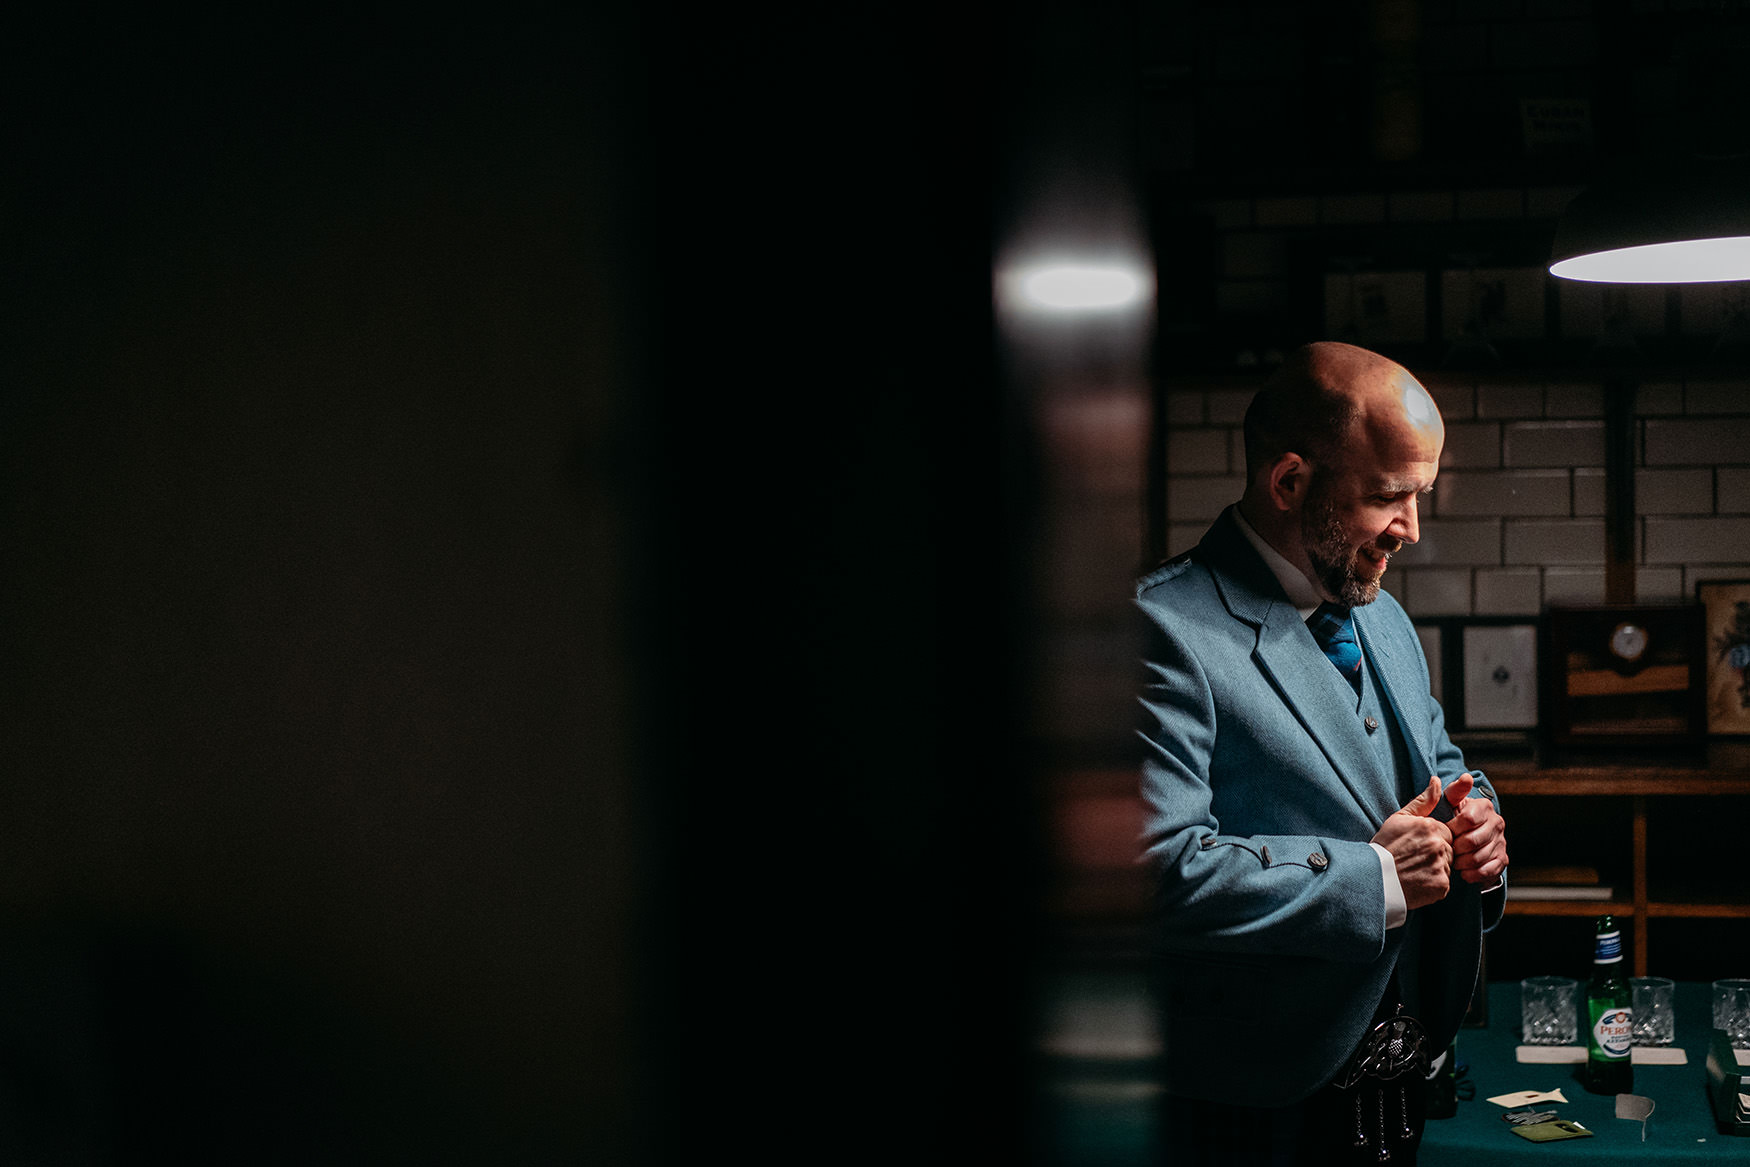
[{"x": 1331, "y": 627}]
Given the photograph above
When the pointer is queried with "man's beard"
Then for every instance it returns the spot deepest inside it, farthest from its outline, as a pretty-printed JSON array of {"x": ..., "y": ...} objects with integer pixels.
[{"x": 1336, "y": 563}]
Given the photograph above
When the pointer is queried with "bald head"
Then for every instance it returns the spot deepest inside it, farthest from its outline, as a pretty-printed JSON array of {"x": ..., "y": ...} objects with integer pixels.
[
  {"x": 1339, "y": 445},
  {"x": 1331, "y": 401}
]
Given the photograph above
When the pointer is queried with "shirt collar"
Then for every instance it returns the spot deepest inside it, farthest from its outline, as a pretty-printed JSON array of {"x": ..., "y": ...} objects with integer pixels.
[{"x": 1301, "y": 592}]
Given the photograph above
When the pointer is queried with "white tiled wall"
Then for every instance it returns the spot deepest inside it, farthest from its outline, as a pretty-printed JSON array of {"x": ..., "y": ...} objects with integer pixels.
[{"x": 1516, "y": 521}]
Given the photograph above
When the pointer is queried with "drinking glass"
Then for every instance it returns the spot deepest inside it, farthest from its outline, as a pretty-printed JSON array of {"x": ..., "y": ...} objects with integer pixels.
[
  {"x": 1732, "y": 1010},
  {"x": 1549, "y": 1010},
  {"x": 1655, "y": 1018}
]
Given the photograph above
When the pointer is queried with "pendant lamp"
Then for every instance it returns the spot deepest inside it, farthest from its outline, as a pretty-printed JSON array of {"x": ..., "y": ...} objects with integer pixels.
[{"x": 1686, "y": 222}]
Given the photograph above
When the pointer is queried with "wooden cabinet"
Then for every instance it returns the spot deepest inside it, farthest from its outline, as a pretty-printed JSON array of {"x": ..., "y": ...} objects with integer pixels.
[{"x": 1667, "y": 835}]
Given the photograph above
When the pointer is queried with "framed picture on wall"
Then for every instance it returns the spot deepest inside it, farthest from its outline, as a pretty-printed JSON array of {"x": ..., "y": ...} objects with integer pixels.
[
  {"x": 1725, "y": 606},
  {"x": 1484, "y": 672},
  {"x": 1500, "y": 675}
]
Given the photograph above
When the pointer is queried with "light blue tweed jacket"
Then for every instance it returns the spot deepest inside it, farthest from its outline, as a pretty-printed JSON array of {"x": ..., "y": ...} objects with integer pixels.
[{"x": 1268, "y": 938}]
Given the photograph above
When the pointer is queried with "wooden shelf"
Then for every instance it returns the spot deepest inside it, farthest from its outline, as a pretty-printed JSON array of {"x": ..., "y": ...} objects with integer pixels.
[
  {"x": 1722, "y": 767},
  {"x": 1670, "y": 909},
  {"x": 1695, "y": 910},
  {"x": 1604, "y": 781},
  {"x": 1569, "y": 907}
]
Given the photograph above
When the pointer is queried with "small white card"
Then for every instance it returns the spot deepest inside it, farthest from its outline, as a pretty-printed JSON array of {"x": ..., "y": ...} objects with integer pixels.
[
  {"x": 1642, "y": 1055},
  {"x": 1551, "y": 1055},
  {"x": 1743, "y": 1056},
  {"x": 1659, "y": 1055}
]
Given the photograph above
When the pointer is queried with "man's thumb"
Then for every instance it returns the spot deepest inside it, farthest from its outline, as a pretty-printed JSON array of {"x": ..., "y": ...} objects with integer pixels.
[
  {"x": 1424, "y": 803},
  {"x": 1460, "y": 789}
]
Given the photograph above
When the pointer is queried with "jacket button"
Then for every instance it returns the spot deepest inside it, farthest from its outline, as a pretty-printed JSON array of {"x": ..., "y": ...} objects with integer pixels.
[
  {"x": 1317, "y": 861},
  {"x": 1208, "y": 842},
  {"x": 1371, "y": 724}
]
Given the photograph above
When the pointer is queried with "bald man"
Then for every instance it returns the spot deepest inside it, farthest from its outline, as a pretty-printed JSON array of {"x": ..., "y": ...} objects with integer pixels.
[{"x": 1324, "y": 863}]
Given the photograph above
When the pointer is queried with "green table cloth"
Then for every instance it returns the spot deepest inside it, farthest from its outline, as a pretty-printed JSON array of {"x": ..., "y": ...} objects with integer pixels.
[{"x": 1681, "y": 1129}]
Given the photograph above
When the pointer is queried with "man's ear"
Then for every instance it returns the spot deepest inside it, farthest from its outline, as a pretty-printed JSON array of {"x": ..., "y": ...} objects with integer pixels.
[{"x": 1286, "y": 482}]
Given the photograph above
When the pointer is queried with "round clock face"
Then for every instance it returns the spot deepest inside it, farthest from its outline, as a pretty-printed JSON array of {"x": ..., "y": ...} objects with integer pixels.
[{"x": 1628, "y": 641}]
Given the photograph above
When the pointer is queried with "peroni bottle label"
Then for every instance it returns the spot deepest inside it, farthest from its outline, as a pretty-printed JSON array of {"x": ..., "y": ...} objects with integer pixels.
[{"x": 1612, "y": 1031}]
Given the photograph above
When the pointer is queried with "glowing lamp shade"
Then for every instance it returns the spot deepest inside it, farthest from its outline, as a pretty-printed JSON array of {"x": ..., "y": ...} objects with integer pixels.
[
  {"x": 1082, "y": 288},
  {"x": 1687, "y": 224}
]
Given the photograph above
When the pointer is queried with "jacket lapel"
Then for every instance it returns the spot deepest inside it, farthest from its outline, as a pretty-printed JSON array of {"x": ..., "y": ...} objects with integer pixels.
[
  {"x": 1324, "y": 706},
  {"x": 1292, "y": 660}
]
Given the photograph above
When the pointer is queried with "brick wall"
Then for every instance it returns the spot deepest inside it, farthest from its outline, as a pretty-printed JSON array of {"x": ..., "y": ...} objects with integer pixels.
[{"x": 1516, "y": 520}]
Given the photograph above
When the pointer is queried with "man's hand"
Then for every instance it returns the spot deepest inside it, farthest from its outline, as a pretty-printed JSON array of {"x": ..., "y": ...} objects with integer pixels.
[
  {"x": 1479, "y": 835},
  {"x": 1421, "y": 846}
]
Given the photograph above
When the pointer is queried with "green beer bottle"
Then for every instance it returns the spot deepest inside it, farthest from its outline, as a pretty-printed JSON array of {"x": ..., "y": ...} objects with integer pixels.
[{"x": 1609, "y": 1069}]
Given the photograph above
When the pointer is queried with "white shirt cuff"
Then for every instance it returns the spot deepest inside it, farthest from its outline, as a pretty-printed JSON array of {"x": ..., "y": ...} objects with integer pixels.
[{"x": 1396, "y": 911}]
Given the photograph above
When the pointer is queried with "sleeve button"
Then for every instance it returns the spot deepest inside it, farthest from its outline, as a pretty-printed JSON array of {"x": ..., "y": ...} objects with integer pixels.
[{"x": 1317, "y": 861}]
